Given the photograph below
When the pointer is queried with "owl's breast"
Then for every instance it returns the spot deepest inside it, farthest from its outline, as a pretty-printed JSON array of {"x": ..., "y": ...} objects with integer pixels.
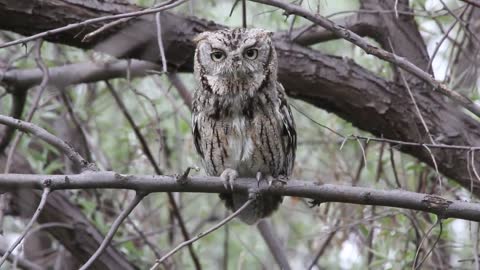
[{"x": 246, "y": 145}]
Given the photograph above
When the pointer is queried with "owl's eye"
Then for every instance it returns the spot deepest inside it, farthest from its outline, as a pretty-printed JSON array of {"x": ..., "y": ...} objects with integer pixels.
[
  {"x": 250, "y": 54},
  {"x": 217, "y": 56}
]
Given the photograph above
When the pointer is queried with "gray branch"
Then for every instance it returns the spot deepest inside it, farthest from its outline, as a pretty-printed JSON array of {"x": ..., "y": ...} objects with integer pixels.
[{"x": 440, "y": 206}]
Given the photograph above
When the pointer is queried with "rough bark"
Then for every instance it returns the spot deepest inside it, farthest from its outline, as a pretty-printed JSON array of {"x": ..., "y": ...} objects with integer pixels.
[{"x": 338, "y": 85}]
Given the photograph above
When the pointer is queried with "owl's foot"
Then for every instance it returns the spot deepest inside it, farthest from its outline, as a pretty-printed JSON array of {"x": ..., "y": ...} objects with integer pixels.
[
  {"x": 270, "y": 179},
  {"x": 228, "y": 177},
  {"x": 183, "y": 179}
]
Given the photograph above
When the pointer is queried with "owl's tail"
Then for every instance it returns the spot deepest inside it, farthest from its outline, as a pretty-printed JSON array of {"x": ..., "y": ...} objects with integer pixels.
[{"x": 263, "y": 206}]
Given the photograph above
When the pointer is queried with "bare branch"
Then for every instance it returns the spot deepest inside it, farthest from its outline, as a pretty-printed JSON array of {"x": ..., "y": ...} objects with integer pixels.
[
  {"x": 200, "y": 235},
  {"x": 62, "y": 76},
  {"x": 51, "y": 139},
  {"x": 113, "y": 229},
  {"x": 151, "y": 159},
  {"x": 34, "y": 218},
  {"x": 41, "y": 88},
  {"x": 168, "y": 5},
  {"x": 373, "y": 50},
  {"x": 298, "y": 188},
  {"x": 472, "y": 2},
  {"x": 181, "y": 88}
]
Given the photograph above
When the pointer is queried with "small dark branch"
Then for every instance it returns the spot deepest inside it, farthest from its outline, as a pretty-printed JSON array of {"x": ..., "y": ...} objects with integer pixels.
[
  {"x": 425, "y": 237},
  {"x": 133, "y": 125},
  {"x": 394, "y": 168},
  {"x": 41, "y": 88},
  {"x": 200, "y": 235},
  {"x": 373, "y": 50},
  {"x": 49, "y": 138},
  {"x": 244, "y": 13},
  {"x": 472, "y": 2},
  {"x": 323, "y": 247},
  {"x": 116, "y": 224},
  {"x": 181, "y": 88},
  {"x": 19, "y": 98},
  {"x": 148, "y": 153},
  {"x": 78, "y": 124},
  {"x": 298, "y": 188},
  {"x": 362, "y": 24},
  {"x": 34, "y": 218}
]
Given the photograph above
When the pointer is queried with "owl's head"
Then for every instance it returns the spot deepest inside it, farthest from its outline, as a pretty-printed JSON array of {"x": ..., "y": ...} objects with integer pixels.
[{"x": 236, "y": 55}]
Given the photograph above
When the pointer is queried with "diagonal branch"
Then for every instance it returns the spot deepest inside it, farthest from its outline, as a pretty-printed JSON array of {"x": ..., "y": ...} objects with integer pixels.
[
  {"x": 34, "y": 218},
  {"x": 113, "y": 229},
  {"x": 373, "y": 50},
  {"x": 51, "y": 139},
  {"x": 200, "y": 235}
]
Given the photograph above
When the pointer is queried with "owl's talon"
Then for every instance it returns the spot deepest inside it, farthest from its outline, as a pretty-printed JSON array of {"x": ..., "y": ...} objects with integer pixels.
[
  {"x": 282, "y": 179},
  {"x": 228, "y": 177},
  {"x": 259, "y": 178}
]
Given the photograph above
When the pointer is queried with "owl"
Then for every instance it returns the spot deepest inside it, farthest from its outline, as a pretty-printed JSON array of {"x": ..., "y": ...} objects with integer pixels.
[{"x": 242, "y": 124}]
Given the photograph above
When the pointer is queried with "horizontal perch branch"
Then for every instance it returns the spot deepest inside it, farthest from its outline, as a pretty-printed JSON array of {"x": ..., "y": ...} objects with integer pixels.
[{"x": 307, "y": 189}]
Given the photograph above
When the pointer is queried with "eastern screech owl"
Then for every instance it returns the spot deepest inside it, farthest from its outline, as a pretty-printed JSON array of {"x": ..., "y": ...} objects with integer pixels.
[{"x": 242, "y": 125}]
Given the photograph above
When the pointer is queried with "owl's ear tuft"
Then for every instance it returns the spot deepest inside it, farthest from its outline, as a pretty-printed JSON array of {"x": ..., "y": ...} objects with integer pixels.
[
  {"x": 268, "y": 33},
  {"x": 201, "y": 37},
  {"x": 259, "y": 32}
]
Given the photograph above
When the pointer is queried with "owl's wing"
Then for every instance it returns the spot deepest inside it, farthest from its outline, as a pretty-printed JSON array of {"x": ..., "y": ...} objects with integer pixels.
[
  {"x": 289, "y": 134},
  {"x": 196, "y": 132}
]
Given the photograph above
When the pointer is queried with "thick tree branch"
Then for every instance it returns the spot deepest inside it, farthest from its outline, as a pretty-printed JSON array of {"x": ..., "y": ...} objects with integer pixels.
[
  {"x": 62, "y": 76},
  {"x": 373, "y": 50},
  {"x": 307, "y": 189}
]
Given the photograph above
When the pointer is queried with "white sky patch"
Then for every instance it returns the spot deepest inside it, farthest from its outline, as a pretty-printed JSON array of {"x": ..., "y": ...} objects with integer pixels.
[{"x": 349, "y": 255}]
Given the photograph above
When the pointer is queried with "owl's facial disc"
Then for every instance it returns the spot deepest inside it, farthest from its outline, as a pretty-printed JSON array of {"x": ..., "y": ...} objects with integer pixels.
[{"x": 241, "y": 57}]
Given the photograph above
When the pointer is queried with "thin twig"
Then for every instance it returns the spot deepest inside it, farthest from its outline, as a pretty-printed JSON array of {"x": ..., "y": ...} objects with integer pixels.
[
  {"x": 22, "y": 262},
  {"x": 113, "y": 229},
  {"x": 203, "y": 234},
  {"x": 151, "y": 159},
  {"x": 49, "y": 138},
  {"x": 91, "y": 21},
  {"x": 33, "y": 108},
  {"x": 369, "y": 48},
  {"x": 160, "y": 42},
  {"x": 181, "y": 89},
  {"x": 34, "y": 218},
  {"x": 394, "y": 168},
  {"x": 324, "y": 246},
  {"x": 415, "y": 266}
]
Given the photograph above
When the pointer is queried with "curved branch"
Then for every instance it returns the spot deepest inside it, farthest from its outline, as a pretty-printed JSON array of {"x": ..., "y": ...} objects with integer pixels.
[
  {"x": 298, "y": 188},
  {"x": 113, "y": 229},
  {"x": 373, "y": 50},
  {"x": 51, "y": 139}
]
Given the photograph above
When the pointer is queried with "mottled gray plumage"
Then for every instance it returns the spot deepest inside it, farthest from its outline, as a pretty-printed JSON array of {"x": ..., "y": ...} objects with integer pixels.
[{"x": 241, "y": 121}]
